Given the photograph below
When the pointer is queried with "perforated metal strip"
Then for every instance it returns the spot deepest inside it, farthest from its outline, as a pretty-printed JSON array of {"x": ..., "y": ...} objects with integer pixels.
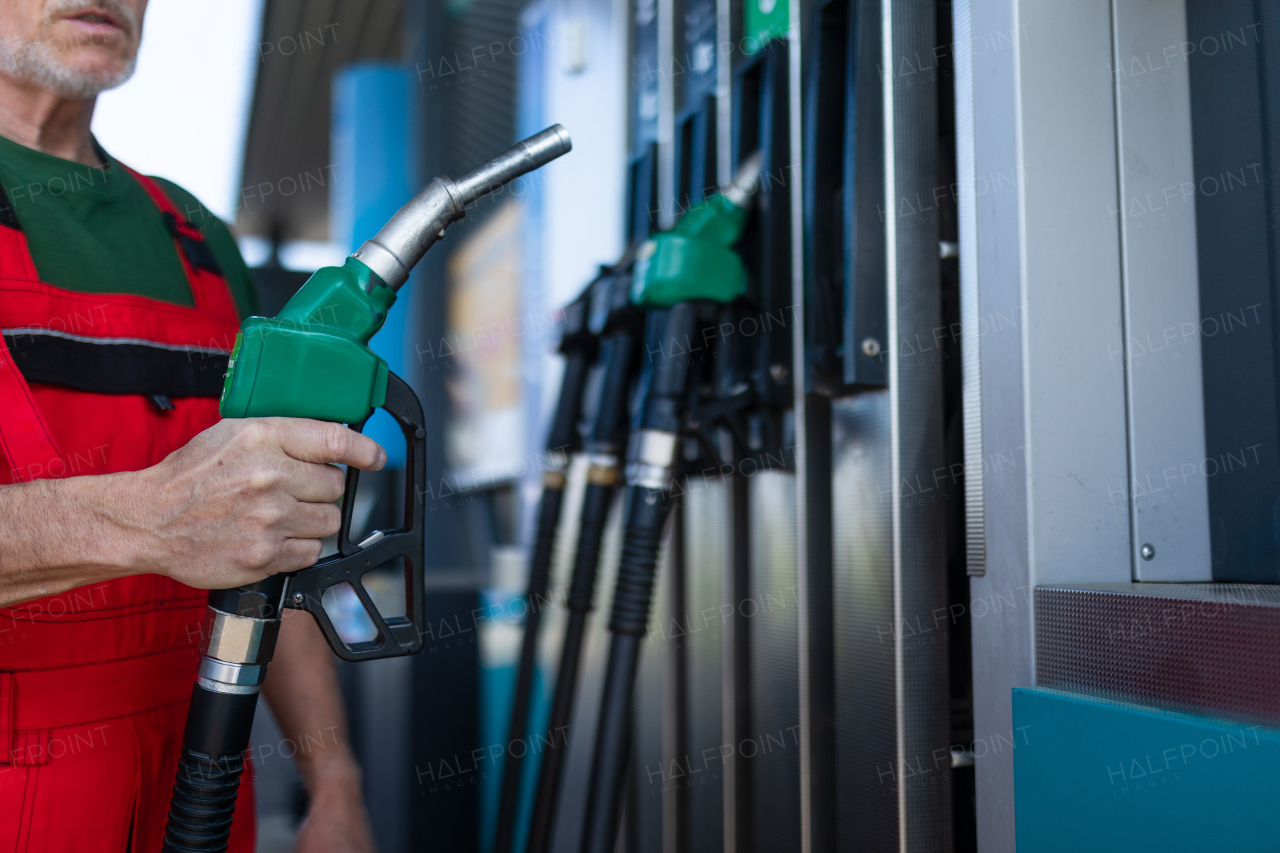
[
  {"x": 1211, "y": 649},
  {"x": 970, "y": 339}
]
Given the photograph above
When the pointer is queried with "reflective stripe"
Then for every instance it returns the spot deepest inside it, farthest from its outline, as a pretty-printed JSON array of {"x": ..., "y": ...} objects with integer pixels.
[{"x": 91, "y": 340}]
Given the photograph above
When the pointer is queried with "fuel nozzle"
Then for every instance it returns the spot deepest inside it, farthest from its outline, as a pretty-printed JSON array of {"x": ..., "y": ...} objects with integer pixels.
[
  {"x": 313, "y": 360},
  {"x": 415, "y": 228},
  {"x": 695, "y": 259}
]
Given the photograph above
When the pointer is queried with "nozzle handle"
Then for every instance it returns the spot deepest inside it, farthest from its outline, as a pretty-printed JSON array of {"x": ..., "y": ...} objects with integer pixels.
[
  {"x": 399, "y": 549},
  {"x": 419, "y": 224}
]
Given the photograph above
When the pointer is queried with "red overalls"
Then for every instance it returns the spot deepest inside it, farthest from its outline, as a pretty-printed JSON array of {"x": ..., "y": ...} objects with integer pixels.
[{"x": 94, "y": 683}]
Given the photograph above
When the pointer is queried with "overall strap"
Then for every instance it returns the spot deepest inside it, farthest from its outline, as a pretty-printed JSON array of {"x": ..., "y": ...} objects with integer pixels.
[
  {"x": 15, "y": 257},
  {"x": 25, "y": 439},
  {"x": 208, "y": 284}
]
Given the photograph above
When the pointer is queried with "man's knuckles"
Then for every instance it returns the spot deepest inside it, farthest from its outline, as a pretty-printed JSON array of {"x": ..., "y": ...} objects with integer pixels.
[
  {"x": 253, "y": 434},
  {"x": 331, "y": 520},
  {"x": 262, "y": 477},
  {"x": 311, "y": 552},
  {"x": 334, "y": 483},
  {"x": 337, "y": 441},
  {"x": 258, "y": 554},
  {"x": 268, "y": 511}
]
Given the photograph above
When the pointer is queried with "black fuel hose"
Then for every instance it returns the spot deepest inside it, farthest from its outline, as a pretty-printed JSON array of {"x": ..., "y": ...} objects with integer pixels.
[
  {"x": 604, "y": 445},
  {"x": 650, "y": 468},
  {"x": 579, "y": 347}
]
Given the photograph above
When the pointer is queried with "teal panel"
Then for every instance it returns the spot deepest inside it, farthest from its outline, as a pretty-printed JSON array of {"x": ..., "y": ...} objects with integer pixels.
[{"x": 1090, "y": 772}]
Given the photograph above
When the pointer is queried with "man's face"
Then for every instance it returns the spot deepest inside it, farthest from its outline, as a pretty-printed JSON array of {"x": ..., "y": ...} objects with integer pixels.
[{"x": 73, "y": 48}]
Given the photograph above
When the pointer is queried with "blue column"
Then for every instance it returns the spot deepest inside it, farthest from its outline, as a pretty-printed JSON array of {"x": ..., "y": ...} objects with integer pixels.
[{"x": 371, "y": 154}]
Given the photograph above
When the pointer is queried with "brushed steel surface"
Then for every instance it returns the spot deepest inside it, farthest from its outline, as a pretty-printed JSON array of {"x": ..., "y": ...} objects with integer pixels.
[
  {"x": 771, "y": 613},
  {"x": 811, "y": 510},
  {"x": 706, "y": 514},
  {"x": 919, "y": 694},
  {"x": 1002, "y": 644},
  {"x": 1170, "y": 538},
  {"x": 862, "y": 578},
  {"x": 736, "y": 705},
  {"x": 1071, "y": 316},
  {"x": 1209, "y": 649}
]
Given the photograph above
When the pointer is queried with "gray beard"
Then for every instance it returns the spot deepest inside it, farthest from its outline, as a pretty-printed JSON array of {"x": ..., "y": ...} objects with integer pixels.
[
  {"x": 39, "y": 64},
  {"x": 35, "y": 63}
]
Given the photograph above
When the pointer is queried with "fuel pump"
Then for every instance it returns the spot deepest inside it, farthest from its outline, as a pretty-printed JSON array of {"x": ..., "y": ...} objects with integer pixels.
[
  {"x": 685, "y": 276},
  {"x": 313, "y": 361},
  {"x": 578, "y": 344},
  {"x": 622, "y": 327}
]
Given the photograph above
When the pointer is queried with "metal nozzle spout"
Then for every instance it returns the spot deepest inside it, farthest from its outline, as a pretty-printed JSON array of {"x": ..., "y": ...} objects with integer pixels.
[
  {"x": 745, "y": 181},
  {"x": 419, "y": 224},
  {"x": 524, "y": 157}
]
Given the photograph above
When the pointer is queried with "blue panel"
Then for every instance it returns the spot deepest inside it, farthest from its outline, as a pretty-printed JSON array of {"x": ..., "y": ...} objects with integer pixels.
[
  {"x": 1090, "y": 772},
  {"x": 371, "y": 157}
]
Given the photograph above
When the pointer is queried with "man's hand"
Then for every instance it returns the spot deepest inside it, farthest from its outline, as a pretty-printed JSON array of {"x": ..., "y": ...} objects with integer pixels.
[
  {"x": 246, "y": 499},
  {"x": 242, "y": 500}
]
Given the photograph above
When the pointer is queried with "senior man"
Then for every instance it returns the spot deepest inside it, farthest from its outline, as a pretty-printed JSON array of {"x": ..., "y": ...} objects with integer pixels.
[{"x": 122, "y": 494}]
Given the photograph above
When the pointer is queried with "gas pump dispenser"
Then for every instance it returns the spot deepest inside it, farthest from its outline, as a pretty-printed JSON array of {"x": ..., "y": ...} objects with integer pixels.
[
  {"x": 684, "y": 276},
  {"x": 313, "y": 361}
]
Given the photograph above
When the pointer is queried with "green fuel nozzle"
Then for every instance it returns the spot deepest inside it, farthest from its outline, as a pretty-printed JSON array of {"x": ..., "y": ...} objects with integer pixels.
[
  {"x": 313, "y": 360},
  {"x": 695, "y": 259}
]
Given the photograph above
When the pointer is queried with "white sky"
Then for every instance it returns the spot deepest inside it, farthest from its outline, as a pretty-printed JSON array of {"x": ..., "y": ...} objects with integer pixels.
[{"x": 185, "y": 112}]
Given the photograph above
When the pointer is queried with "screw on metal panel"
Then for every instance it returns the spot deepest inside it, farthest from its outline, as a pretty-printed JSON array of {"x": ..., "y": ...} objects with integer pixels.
[
  {"x": 1148, "y": 552},
  {"x": 870, "y": 347},
  {"x": 778, "y": 372},
  {"x": 298, "y": 599}
]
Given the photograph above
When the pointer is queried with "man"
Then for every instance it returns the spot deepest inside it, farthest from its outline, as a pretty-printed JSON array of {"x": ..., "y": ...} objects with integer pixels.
[{"x": 121, "y": 495}]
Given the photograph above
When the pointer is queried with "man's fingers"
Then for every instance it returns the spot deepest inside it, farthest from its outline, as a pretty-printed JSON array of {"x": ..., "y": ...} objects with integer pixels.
[
  {"x": 317, "y": 441},
  {"x": 312, "y": 521},
  {"x": 297, "y": 554},
  {"x": 311, "y": 483}
]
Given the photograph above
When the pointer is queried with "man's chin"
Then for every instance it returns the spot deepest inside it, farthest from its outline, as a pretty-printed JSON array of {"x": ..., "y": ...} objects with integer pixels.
[
  {"x": 95, "y": 71},
  {"x": 81, "y": 76}
]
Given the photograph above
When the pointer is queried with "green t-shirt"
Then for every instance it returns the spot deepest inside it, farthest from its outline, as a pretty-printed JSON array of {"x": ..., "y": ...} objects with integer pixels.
[{"x": 95, "y": 229}]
